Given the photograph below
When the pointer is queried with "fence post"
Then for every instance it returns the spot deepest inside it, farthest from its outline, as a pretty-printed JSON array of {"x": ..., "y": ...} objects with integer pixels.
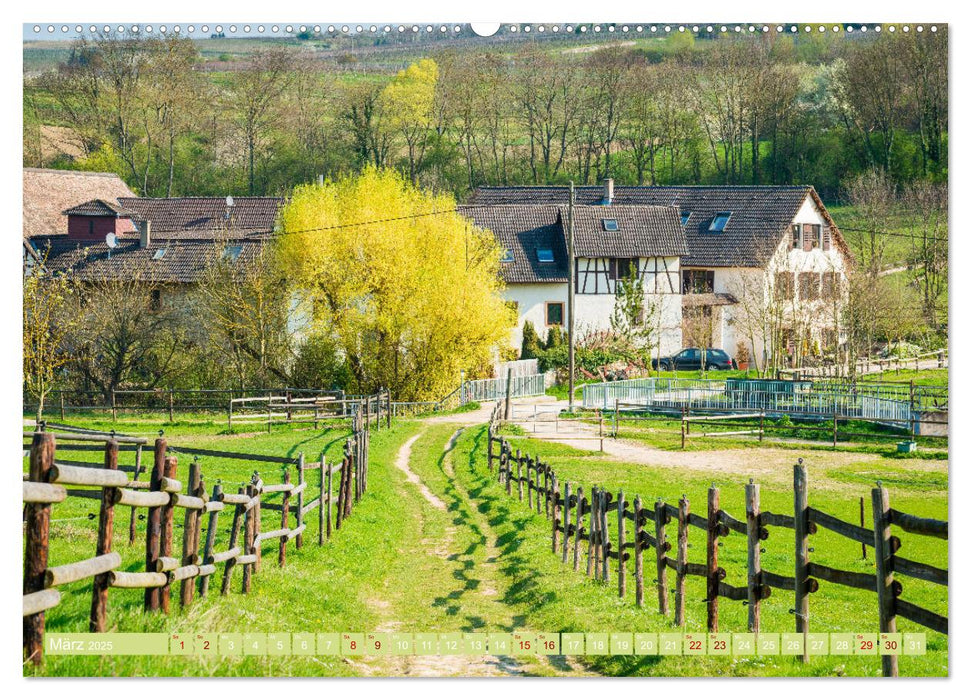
[
  {"x": 592, "y": 538},
  {"x": 712, "y": 558},
  {"x": 171, "y": 405},
  {"x": 529, "y": 483},
  {"x": 284, "y": 520},
  {"x": 754, "y": 558},
  {"x": 153, "y": 526},
  {"x": 257, "y": 520},
  {"x": 106, "y": 522},
  {"x": 217, "y": 496},
  {"x": 519, "y": 474},
  {"x": 36, "y": 534},
  {"x": 863, "y": 525},
  {"x": 684, "y": 508},
  {"x": 134, "y": 514},
  {"x": 886, "y": 586},
  {"x": 489, "y": 447},
  {"x": 238, "y": 514},
  {"x": 547, "y": 494},
  {"x": 801, "y": 513},
  {"x": 190, "y": 535},
  {"x": 300, "y": 482},
  {"x": 581, "y": 506},
  {"x": 556, "y": 517},
  {"x": 165, "y": 546},
  {"x": 604, "y": 535},
  {"x": 114, "y": 407},
  {"x": 507, "y": 413},
  {"x": 616, "y": 418},
  {"x": 835, "y": 427},
  {"x": 323, "y": 476},
  {"x": 638, "y": 552},
  {"x": 566, "y": 522},
  {"x": 61, "y": 394},
  {"x": 621, "y": 569},
  {"x": 683, "y": 424},
  {"x": 660, "y": 537},
  {"x": 249, "y": 540},
  {"x": 229, "y": 414}
]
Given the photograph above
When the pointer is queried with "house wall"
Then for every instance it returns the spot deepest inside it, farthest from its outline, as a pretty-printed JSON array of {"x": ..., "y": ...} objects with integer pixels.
[
  {"x": 593, "y": 311},
  {"x": 79, "y": 227},
  {"x": 819, "y": 315}
]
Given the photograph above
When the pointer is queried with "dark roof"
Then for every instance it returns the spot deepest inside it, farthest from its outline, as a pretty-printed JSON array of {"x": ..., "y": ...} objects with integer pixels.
[
  {"x": 523, "y": 230},
  {"x": 642, "y": 232},
  {"x": 97, "y": 207},
  {"x": 759, "y": 218},
  {"x": 187, "y": 215},
  {"x": 183, "y": 261}
]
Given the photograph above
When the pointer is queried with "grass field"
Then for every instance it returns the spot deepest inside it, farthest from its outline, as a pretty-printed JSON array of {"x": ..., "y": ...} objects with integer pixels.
[
  {"x": 562, "y": 600},
  {"x": 457, "y": 554}
]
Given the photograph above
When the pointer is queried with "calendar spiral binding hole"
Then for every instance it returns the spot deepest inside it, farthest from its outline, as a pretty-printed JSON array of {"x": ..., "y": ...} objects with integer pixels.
[{"x": 320, "y": 30}]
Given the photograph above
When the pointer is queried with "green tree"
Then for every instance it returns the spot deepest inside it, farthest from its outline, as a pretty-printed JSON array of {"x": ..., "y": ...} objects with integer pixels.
[
  {"x": 532, "y": 347},
  {"x": 377, "y": 258},
  {"x": 47, "y": 324}
]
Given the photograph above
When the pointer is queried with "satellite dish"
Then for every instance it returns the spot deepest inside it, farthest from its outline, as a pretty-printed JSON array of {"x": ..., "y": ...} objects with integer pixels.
[
  {"x": 229, "y": 201},
  {"x": 111, "y": 240}
]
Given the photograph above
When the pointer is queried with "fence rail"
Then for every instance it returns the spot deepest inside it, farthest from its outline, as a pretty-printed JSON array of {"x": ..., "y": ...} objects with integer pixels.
[
  {"x": 582, "y": 519},
  {"x": 51, "y": 480}
]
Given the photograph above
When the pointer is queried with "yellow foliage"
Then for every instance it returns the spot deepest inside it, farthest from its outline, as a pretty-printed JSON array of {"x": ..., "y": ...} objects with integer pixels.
[
  {"x": 410, "y": 96},
  {"x": 412, "y": 297}
]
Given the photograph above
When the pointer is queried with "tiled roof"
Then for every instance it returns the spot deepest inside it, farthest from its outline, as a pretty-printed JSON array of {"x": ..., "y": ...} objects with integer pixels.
[
  {"x": 185, "y": 215},
  {"x": 708, "y": 299},
  {"x": 47, "y": 193},
  {"x": 182, "y": 262},
  {"x": 97, "y": 207},
  {"x": 759, "y": 218},
  {"x": 641, "y": 232},
  {"x": 523, "y": 230}
]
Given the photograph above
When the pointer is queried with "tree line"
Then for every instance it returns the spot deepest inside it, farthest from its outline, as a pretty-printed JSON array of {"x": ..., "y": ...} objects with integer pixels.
[{"x": 769, "y": 109}]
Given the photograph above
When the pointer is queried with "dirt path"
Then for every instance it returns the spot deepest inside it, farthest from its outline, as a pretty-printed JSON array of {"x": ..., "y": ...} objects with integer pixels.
[
  {"x": 765, "y": 462},
  {"x": 458, "y": 557}
]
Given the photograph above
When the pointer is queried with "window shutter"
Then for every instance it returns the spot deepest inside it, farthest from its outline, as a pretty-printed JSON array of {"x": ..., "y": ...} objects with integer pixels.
[
  {"x": 827, "y": 238},
  {"x": 807, "y": 232}
]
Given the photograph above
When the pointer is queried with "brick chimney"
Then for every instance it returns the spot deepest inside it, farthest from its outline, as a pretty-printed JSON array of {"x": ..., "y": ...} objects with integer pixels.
[
  {"x": 145, "y": 234},
  {"x": 609, "y": 191}
]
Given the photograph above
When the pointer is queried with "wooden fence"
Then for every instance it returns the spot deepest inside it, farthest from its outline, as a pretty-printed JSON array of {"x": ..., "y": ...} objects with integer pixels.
[
  {"x": 51, "y": 480},
  {"x": 578, "y": 517},
  {"x": 288, "y": 409}
]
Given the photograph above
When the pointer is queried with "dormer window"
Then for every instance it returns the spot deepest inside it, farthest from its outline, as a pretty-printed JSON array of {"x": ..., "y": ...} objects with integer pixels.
[
  {"x": 231, "y": 253},
  {"x": 159, "y": 254},
  {"x": 685, "y": 215},
  {"x": 610, "y": 224},
  {"x": 544, "y": 255},
  {"x": 720, "y": 221},
  {"x": 507, "y": 256}
]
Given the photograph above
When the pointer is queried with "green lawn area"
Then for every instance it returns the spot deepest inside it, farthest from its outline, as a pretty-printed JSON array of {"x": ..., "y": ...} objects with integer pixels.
[
  {"x": 927, "y": 377},
  {"x": 560, "y": 600},
  {"x": 457, "y": 554},
  {"x": 321, "y": 588}
]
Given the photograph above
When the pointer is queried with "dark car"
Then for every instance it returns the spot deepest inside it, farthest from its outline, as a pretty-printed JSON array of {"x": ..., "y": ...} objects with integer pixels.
[{"x": 692, "y": 359}]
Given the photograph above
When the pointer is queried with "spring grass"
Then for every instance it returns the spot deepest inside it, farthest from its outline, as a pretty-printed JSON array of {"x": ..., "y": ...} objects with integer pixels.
[
  {"x": 560, "y": 600},
  {"x": 321, "y": 589}
]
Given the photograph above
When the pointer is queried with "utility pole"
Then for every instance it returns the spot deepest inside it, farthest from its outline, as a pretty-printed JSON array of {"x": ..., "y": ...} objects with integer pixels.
[{"x": 571, "y": 289}]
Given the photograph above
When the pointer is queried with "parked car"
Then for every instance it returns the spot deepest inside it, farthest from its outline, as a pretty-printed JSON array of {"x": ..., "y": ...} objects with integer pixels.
[{"x": 691, "y": 359}]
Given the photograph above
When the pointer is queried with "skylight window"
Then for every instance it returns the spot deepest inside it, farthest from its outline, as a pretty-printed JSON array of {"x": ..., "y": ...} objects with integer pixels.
[
  {"x": 685, "y": 215},
  {"x": 507, "y": 256},
  {"x": 159, "y": 254},
  {"x": 545, "y": 255},
  {"x": 610, "y": 224},
  {"x": 720, "y": 221},
  {"x": 231, "y": 253}
]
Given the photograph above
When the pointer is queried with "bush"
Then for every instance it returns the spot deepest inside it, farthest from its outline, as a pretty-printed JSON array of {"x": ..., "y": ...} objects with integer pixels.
[{"x": 531, "y": 347}]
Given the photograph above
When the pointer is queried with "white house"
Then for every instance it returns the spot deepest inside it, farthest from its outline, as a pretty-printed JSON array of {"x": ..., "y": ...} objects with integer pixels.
[
  {"x": 609, "y": 242},
  {"x": 764, "y": 267}
]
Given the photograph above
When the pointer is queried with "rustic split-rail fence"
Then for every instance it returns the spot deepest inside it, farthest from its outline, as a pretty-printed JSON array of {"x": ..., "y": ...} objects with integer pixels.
[
  {"x": 257, "y": 515},
  {"x": 581, "y": 521}
]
